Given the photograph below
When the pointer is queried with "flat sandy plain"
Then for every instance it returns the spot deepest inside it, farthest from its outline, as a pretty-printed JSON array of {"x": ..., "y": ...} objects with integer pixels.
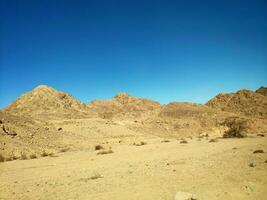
[{"x": 155, "y": 171}]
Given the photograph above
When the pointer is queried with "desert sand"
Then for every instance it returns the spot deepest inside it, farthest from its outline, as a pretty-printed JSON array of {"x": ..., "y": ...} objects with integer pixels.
[{"x": 56, "y": 147}]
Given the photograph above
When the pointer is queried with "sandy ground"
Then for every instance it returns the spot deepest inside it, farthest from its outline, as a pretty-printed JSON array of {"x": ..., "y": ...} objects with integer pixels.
[{"x": 155, "y": 171}]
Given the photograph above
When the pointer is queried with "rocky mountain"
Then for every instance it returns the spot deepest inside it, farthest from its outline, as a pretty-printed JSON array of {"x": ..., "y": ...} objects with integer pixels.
[
  {"x": 46, "y": 103},
  {"x": 121, "y": 104},
  {"x": 244, "y": 102}
]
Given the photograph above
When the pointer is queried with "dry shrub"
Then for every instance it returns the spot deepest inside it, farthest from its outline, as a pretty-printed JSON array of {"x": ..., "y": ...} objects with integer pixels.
[
  {"x": 183, "y": 142},
  {"x": 44, "y": 154},
  {"x": 105, "y": 152},
  {"x": 98, "y": 147},
  {"x": 140, "y": 143},
  {"x": 236, "y": 127}
]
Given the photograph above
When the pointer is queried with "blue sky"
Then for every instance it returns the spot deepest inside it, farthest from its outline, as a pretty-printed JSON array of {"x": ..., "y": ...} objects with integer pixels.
[{"x": 187, "y": 50}]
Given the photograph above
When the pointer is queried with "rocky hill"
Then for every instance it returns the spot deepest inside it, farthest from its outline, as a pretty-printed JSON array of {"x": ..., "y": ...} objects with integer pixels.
[
  {"x": 47, "y": 103},
  {"x": 123, "y": 104},
  {"x": 243, "y": 102},
  {"x": 20, "y": 134},
  {"x": 262, "y": 90}
]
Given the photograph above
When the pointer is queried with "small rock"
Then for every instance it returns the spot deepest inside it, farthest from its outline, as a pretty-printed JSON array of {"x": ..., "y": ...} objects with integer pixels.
[
  {"x": 261, "y": 135},
  {"x": 185, "y": 196},
  {"x": 59, "y": 129},
  {"x": 258, "y": 151}
]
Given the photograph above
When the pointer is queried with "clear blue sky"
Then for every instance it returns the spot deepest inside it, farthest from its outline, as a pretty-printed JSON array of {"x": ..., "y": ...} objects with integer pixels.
[{"x": 187, "y": 50}]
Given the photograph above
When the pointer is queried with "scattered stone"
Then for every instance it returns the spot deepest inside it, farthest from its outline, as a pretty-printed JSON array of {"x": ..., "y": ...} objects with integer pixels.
[
  {"x": 185, "y": 196},
  {"x": 258, "y": 151}
]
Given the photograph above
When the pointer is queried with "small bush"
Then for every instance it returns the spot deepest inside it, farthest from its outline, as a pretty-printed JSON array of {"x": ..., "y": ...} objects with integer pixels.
[
  {"x": 236, "y": 127},
  {"x": 183, "y": 142},
  {"x": 98, "y": 147},
  {"x": 105, "y": 152},
  {"x": 44, "y": 154},
  {"x": 33, "y": 156},
  {"x": 2, "y": 158}
]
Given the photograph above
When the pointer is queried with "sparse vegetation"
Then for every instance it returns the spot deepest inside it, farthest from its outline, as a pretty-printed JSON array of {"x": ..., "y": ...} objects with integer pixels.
[
  {"x": 105, "y": 152},
  {"x": 98, "y": 147},
  {"x": 236, "y": 127}
]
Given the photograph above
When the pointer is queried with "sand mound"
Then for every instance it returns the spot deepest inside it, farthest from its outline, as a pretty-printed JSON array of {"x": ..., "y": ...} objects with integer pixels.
[
  {"x": 244, "y": 102},
  {"x": 46, "y": 102}
]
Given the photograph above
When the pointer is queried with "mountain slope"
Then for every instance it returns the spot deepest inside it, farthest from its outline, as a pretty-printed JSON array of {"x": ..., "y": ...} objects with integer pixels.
[
  {"x": 46, "y": 102},
  {"x": 244, "y": 102},
  {"x": 123, "y": 104}
]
